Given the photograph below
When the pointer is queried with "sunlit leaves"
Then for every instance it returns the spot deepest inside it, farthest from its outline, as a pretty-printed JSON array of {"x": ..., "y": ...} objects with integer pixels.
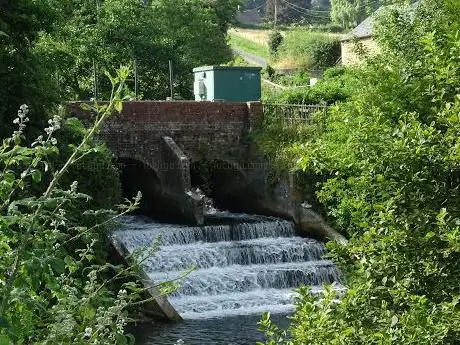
[{"x": 390, "y": 167}]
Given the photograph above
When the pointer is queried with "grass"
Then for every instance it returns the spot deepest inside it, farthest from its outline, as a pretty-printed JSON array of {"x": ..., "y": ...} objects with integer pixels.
[
  {"x": 258, "y": 36},
  {"x": 294, "y": 52},
  {"x": 298, "y": 47},
  {"x": 248, "y": 45}
]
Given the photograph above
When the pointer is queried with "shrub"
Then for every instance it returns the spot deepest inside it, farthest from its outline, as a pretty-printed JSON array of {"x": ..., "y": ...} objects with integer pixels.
[
  {"x": 95, "y": 173},
  {"x": 330, "y": 27},
  {"x": 337, "y": 85},
  {"x": 274, "y": 41},
  {"x": 312, "y": 50},
  {"x": 390, "y": 156},
  {"x": 53, "y": 290}
]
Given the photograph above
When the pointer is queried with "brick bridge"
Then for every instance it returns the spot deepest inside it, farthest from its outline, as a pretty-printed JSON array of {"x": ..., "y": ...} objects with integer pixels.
[{"x": 167, "y": 149}]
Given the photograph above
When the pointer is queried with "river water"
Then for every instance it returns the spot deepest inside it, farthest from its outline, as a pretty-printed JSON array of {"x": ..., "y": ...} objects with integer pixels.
[{"x": 244, "y": 265}]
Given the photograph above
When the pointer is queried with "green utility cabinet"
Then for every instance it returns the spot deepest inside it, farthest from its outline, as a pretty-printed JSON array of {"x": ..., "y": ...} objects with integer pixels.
[{"x": 225, "y": 83}]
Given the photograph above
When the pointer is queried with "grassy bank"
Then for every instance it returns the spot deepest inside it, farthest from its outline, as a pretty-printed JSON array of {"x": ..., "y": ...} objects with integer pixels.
[
  {"x": 308, "y": 49},
  {"x": 248, "y": 45},
  {"x": 301, "y": 47}
]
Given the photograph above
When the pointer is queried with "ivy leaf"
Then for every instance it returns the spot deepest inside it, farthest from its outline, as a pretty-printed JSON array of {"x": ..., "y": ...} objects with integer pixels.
[{"x": 394, "y": 320}]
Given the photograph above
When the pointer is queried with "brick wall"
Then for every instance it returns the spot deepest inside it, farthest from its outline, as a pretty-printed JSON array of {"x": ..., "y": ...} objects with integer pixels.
[{"x": 194, "y": 126}]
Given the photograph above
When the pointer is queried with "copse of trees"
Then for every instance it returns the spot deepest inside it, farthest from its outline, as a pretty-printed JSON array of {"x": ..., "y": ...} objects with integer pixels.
[
  {"x": 349, "y": 13},
  {"x": 93, "y": 36},
  {"x": 55, "y": 50}
]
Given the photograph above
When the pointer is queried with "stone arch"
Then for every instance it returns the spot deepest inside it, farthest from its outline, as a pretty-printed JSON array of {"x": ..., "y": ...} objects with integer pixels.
[
  {"x": 136, "y": 175},
  {"x": 222, "y": 180}
]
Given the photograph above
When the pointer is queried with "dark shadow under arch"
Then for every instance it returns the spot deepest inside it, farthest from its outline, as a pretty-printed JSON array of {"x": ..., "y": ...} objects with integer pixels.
[
  {"x": 136, "y": 176},
  {"x": 223, "y": 182}
]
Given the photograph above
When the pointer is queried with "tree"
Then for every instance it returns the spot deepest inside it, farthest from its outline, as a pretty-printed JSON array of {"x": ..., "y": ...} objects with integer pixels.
[
  {"x": 23, "y": 77},
  {"x": 90, "y": 39},
  {"x": 349, "y": 13}
]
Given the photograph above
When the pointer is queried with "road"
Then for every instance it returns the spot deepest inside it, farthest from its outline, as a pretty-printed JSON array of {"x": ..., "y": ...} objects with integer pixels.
[{"x": 251, "y": 59}]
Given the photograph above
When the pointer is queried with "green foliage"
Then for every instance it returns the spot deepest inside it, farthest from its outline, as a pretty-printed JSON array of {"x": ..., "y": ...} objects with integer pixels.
[
  {"x": 95, "y": 172},
  {"x": 274, "y": 41},
  {"x": 349, "y": 13},
  {"x": 337, "y": 85},
  {"x": 237, "y": 61},
  {"x": 93, "y": 36},
  {"x": 389, "y": 163},
  {"x": 53, "y": 287},
  {"x": 23, "y": 77},
  {"x": 301, "y": 78},
  {"x": 330, "y": 27},
  {"x": 310, "y": 50}
]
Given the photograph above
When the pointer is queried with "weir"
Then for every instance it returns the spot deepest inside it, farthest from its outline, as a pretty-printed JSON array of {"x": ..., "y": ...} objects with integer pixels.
[{"x": 243, "y": 264}]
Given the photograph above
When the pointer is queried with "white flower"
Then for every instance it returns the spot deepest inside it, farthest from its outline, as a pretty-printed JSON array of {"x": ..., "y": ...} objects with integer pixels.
[
  {"x": 73, "y": 186},
  {"x": 88, "y": 332}
]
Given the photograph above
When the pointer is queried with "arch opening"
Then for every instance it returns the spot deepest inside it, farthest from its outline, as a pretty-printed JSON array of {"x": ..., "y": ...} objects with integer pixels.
[
  {"x": 136, "y": 176},
  {"x": 222, "y": 182}
]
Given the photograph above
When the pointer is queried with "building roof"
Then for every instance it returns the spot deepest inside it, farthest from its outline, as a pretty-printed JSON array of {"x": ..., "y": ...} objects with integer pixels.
[{"x": 365, "y": 28}]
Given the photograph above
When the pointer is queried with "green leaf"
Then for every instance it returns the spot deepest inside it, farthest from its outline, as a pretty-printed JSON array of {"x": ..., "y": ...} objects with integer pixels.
[
  {"x": 394, "y": 320},
  {"x": 118, "y": 105},
  {"x": 4, "y": 340},
  {"x": 58, "y": 266},
  {"x": 429, "y": 235},
  {"x": 36, "y": 176}
]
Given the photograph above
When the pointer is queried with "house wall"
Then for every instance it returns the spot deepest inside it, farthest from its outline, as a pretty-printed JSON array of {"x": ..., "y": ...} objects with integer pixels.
[{"x": 350, "y": 54}]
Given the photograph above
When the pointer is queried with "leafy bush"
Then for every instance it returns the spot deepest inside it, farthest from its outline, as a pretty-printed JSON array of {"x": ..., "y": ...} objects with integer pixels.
[
  {"x": 95, "y": 172},
  {"x": 274, "y": 41},
  {"x": 337, "y": 85},
  {"x": 330, "y": 27},
  {"x": 312, "y": 50},
  {"x": 53, "y": 288},
  {"x": 390, "y": 158}
]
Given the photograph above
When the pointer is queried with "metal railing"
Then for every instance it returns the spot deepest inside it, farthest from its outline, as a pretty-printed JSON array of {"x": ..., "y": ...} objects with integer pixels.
[{"x": 292, "y": 113}]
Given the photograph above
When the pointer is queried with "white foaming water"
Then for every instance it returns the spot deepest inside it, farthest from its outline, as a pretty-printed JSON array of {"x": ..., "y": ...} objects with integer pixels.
[{"x": 244, "y": 264}]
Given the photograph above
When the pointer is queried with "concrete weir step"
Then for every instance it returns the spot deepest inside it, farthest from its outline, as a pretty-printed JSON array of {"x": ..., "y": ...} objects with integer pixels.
[
  {"x": 251, "y": 269},
  {"x": 159, "y": 306}
]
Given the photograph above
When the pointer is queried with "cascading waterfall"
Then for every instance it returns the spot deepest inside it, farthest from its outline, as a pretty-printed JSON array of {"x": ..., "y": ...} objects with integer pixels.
[{"x": 243, "y": 264}]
